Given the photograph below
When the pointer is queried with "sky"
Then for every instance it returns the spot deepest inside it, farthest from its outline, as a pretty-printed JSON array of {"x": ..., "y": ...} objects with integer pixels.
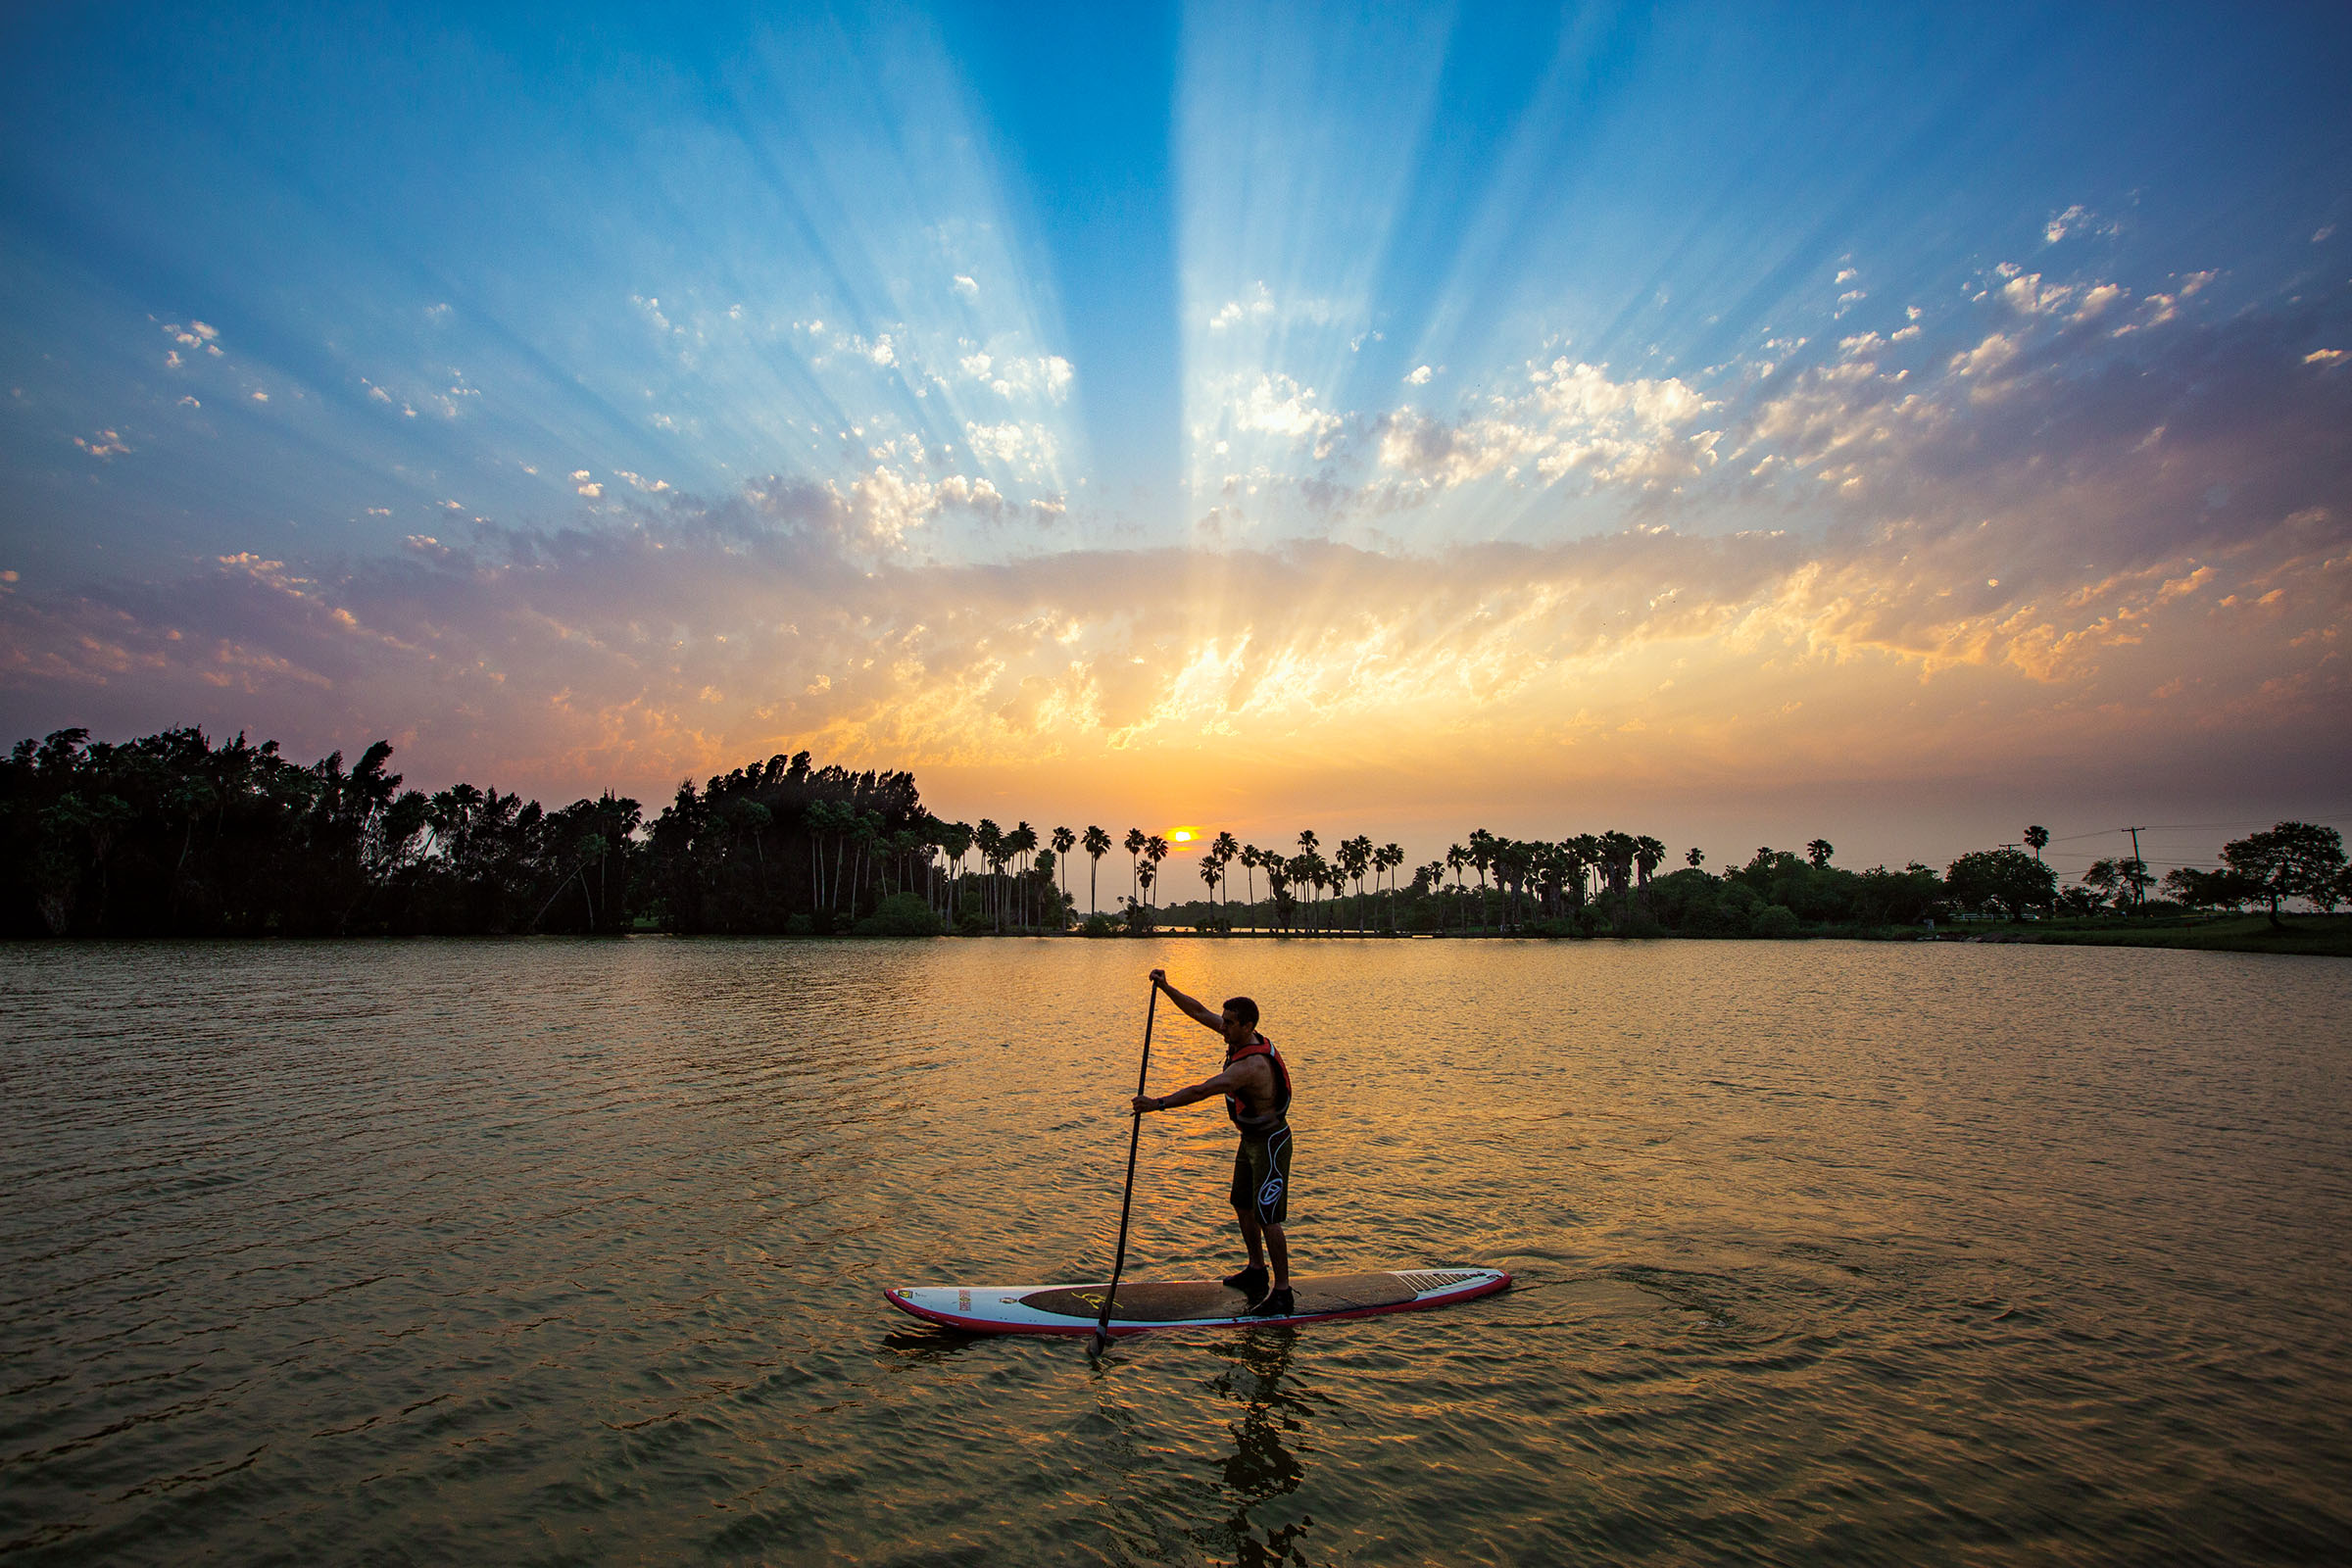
[{"x": 1736, "y": 424}]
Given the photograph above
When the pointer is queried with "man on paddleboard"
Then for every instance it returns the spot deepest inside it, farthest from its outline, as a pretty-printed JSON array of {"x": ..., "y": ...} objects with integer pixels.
[{"x": 1256, "y": 1087}]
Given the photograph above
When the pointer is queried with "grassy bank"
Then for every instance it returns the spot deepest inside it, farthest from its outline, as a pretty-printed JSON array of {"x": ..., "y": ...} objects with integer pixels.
[{"x": 2328, "y": 935}]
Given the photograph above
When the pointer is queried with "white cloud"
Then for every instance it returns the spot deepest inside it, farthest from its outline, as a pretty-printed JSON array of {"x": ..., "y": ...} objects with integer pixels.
[
  {"x": 1574, "y": 418},
  {"x": 2023, "y": 294},
  {"x": 593, "y": 491},
  {"x": 1255, "y": 307},
  {"x": 966, "y": 287},
  {"x": 1276, "y": 404},
  {"x": 1419, "y": 377},
  {"x": 1010, "y": 442},
  {"x": 1995, "y": 351},
  {"x": 105, "y": 445},
  {"x": 1046, "y": 375}
]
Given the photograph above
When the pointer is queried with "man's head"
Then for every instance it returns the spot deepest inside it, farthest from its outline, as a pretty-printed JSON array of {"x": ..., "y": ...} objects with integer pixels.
[{"x": 1241, "y": 1020}]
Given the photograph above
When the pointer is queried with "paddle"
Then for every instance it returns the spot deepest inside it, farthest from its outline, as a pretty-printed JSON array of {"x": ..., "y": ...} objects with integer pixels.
[{"x": 1135, "y": 1133}]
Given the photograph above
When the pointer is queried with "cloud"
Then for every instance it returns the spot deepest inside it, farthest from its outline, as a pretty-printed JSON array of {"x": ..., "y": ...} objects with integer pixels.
[
  {"x": 561, "y": 658},
  {"x": 1012, "y": 442},
  {"x": 1046, "y": 375},
  {"x": 1419, "y": 377},
  {"x": 2076, "y": 220},
  {"x": 105, "y": 445},
  {"x": 966, "y": 287},
  {"x": 1572, "y": 419},
  {"x": 1256, "y": 305},
  {"x": 1273, "y": 404}
]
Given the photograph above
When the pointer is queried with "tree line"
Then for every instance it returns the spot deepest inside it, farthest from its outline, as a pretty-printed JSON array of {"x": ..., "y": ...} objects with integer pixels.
[{"x": 174, "y": 834}]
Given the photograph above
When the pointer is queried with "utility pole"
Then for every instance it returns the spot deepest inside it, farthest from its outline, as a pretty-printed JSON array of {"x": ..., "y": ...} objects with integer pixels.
[{"x": 2140, "y": 871}]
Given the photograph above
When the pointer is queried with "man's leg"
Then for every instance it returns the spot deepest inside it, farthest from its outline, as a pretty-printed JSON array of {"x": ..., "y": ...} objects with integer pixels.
[
  {"x": 1250, "y": 1281},
  {"x": 1276, "y": 1244},
  {"x": 1253, "y": 1236},
  {"x": 1265, "y": 1215}
]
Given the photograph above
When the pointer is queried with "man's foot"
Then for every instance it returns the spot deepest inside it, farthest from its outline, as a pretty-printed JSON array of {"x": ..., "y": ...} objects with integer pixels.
[
  {"x": 1278, "y": 1304},
  {"x": 1251, "y": 1282}
]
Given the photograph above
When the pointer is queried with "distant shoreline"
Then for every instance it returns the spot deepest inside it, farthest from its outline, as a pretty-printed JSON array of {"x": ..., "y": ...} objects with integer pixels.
[{"x": 2305, "y": 935}]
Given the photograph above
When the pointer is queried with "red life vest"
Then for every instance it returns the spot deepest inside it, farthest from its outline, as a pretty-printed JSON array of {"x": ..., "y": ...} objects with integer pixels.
[{"x": 1259, "y": 1046}]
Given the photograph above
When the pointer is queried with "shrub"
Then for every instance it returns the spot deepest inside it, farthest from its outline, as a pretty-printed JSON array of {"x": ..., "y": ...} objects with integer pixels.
[
  {"x": 902, "y": 914},
  {"x": 1098, "y": 926},
  {"x": 1774, "y": 920}
]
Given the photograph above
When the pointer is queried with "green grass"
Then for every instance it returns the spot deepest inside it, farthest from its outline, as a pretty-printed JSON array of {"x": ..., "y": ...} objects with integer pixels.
[{"x": 2328, "y": 935}]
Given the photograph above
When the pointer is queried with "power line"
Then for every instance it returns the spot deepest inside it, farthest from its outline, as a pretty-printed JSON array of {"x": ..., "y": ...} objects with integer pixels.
[{"x": 2324, "y": 818}]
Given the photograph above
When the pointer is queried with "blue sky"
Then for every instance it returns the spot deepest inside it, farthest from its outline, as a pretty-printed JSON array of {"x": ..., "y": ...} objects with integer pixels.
[{"x": 1194, "y": 364}]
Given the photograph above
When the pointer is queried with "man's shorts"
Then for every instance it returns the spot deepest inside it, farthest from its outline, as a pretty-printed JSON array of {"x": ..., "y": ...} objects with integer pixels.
[{"x": 1261, "y": 1177}]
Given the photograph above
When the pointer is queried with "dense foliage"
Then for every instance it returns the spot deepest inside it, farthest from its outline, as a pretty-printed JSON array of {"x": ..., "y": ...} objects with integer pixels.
[{"x": 174, "y": 835}]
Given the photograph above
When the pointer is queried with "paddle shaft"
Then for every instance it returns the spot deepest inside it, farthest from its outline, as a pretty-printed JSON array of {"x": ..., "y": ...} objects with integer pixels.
[{"x": 1135, "y": 1133}]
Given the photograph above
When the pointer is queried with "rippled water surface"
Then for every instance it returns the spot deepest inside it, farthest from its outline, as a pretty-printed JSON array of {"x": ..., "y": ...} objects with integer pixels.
[{"x": 560, "y": 1251}]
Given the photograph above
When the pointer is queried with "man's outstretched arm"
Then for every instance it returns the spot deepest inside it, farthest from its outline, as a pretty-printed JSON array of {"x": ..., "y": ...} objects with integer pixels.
[
  {"x": 1224, "y": 1083},
  {"x": 1192, "y": 1008}
]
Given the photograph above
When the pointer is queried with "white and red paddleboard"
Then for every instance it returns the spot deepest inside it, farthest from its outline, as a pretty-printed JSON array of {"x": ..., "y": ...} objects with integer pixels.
[{"x": 1145, "y": 1305}]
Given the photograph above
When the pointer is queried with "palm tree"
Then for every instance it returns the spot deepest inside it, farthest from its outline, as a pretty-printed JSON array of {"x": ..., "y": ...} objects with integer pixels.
[
  {"x": 1222, "y": 849},
  {"x": 1209, "y": 872},
  {"x": 1065, "y": 841},
  {"x": 1134, "y": 844},
  {"x": 1098, "y": 845},
  {"x": 1391, "y": 856},
  {"x": 1457, "y": 858},
  {"x": 1647, "y": 853},
  {"x": 1356, "y": 859},
  {"x": 994, "y": 850},
  {"x": 956, "y": 839},
  {"x": 1020, "y": 842},
  {"x": 1481, "y": 855},
  {"x": 1819, "y": 851},
  {"x": 1252, "y": 858},
  {"x": 1155, "y": 850},
  {"x": 1617, "y": 862},
  {"x": 2036, "y": 836},
  {"x": 1589, "y": 863},
  {"x": 1695, "y": 857}
]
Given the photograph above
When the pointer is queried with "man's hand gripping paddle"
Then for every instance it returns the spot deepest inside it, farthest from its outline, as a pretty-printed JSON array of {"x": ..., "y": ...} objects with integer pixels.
[{"x": 1135, "y": 1133}]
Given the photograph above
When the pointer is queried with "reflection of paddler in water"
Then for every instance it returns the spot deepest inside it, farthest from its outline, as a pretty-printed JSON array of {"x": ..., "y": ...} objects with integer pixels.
[
  {"x": 1261, "y": 1468},
  {"x": 1256, "y": 1087}
]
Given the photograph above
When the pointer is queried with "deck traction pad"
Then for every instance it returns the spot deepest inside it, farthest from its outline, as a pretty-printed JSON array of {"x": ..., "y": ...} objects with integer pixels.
[{"x": 1186, "y": 1300}]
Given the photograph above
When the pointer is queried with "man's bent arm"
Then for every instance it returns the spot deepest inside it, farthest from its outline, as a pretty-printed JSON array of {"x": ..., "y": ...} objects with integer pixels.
[
  {"x": 1224, "y": 1083},
  {"x": 1192, "y": 1008}
]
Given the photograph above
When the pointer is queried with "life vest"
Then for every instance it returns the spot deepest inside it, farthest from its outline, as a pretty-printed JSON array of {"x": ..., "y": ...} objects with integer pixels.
[{"x": 1254, "y": 1125}]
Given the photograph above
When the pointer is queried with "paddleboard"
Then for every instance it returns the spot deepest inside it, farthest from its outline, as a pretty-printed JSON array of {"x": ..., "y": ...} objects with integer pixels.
[{"x": 1146, "y": 1304}]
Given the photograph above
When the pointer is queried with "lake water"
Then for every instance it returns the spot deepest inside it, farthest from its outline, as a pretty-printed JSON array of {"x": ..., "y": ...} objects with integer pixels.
[{"x": 572, "y": 1253}]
